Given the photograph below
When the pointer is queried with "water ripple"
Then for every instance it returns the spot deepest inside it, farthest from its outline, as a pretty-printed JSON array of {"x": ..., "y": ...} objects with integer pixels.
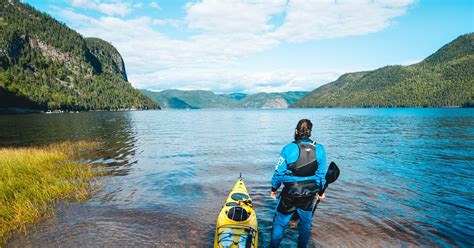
[{"x": 407, "y": 175}]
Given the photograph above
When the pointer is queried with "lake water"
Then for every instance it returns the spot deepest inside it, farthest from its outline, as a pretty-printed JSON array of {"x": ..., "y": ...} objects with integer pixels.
[{"x": 407, "y": 175}]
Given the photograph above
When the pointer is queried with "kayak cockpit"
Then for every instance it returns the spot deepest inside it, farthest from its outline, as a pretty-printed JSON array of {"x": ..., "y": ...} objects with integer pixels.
[{"x": 237, "y": 213}]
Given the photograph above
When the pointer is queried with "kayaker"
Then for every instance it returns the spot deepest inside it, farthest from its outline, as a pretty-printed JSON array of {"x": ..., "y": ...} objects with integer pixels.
[{"x": 302, "y": 169}]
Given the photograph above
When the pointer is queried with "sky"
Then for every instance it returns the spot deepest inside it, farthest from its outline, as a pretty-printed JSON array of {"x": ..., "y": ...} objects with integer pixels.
[{"x": 262, "y": 46}]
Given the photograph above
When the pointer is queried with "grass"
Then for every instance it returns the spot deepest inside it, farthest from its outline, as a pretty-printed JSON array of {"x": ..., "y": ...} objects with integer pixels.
[{"x": 33, "y": 179}]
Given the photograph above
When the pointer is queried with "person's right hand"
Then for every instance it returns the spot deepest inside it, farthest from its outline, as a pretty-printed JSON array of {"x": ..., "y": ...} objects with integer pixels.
[
  {"x": 320, "y": 197},
  {"x": 273, "y": 194}
]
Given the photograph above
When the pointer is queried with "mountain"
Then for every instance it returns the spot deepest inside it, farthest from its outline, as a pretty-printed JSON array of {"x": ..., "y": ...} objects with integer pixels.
[
  {"x": 192, "y": 99},
  {"x": 444, "y": 79},
  {"x": 46, "y": 65},
  {"x": 197, "y": 99},
  {"x": 271, "y": 100},
  {"x": 110, "y": 58},
  {"x": 235, "y": 96}
]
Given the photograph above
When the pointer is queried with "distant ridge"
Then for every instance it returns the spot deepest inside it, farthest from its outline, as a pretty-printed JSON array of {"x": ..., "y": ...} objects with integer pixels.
[
  {"x": 45, "y": 65},
  {"x": 201, "y": 99},
  {"x": 444, "y": 79}
]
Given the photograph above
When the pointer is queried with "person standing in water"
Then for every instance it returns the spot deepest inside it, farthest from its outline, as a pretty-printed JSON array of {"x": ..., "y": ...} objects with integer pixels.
[{"x": 301, "y": 168}]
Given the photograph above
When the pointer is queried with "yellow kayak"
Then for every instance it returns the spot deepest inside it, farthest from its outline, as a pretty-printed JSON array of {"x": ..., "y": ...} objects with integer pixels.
[{"x": 237, "y": 222}]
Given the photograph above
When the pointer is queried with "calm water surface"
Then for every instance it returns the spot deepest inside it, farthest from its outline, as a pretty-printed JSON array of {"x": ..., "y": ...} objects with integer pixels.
[{"x": 407, "y": 175}]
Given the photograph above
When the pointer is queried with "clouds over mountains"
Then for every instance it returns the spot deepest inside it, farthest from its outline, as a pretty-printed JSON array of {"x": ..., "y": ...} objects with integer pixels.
[{"x": 204, "y": 47}]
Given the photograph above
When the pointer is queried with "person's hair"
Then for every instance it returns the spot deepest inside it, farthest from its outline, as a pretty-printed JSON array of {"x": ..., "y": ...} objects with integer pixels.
[{"x": 303, "y": 129}]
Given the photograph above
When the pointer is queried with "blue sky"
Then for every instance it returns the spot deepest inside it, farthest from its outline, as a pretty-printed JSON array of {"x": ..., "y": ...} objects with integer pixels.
[{"x": 253, "y": 46}]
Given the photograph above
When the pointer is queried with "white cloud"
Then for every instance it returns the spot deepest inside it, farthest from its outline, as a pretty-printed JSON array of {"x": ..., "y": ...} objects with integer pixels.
[
  {"x": 155, "y": 5},
  {"x": 304, "y": 20},
  {"x": 172, "y": 22},
  {"x": 79, "y": 19},
  {"x": 111, "y": 9},
  {"x": 326, "y": 19},
  {"x": 234, "y": 81},
  {"x": 232, "y": 16},
  {"x": 115, "y": 8},
  {"x": 144, "y": 47},
  {"x": 84, "y": 4},
  {"x": 224, "y": 32}
]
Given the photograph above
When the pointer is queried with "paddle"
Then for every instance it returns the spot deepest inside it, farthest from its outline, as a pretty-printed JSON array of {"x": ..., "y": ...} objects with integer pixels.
[{"x": 331, "y": 176}]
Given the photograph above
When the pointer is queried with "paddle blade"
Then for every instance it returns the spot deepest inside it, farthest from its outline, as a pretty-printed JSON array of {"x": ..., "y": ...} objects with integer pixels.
[{"x": 333, "y": 173}]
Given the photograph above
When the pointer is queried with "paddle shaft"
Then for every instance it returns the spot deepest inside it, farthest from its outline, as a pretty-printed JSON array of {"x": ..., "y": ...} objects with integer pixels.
[
  {"x": 317, "y": 202},
  {"x": 336, "y": 170}
]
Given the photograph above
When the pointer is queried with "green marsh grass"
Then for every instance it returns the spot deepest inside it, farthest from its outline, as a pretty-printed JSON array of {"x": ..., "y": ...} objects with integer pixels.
[{"x": 33, "y": 179}]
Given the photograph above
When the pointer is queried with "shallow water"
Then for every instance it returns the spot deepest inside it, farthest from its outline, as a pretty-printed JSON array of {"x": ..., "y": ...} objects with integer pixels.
[{"x": 406, "y": 175}]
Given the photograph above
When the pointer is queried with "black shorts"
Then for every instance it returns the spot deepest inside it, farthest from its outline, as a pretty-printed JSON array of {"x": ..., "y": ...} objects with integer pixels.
[{"x": 289, "y": 204}]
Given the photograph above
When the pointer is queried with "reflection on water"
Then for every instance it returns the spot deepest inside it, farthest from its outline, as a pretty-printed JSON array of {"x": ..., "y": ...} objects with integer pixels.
[{"x": 406, "y": 175}]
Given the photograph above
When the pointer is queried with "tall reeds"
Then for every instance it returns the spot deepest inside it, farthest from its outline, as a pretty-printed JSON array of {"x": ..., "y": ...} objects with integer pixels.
[{"x": 32, "y": 179}]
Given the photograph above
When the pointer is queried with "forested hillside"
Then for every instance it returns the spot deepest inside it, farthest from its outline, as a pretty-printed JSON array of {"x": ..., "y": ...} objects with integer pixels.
[
  {"x": 197, "y": 99},
  {"x": 444, "y": 79},
  {"x": 46, "y": 65}
]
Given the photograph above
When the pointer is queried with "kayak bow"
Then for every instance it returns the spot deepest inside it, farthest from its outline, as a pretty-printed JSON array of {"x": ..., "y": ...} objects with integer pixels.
[{"x": 237, "y": 222}]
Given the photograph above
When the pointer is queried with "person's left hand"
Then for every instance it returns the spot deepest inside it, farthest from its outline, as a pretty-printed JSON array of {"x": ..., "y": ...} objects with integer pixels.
[
  {"x": 274, "y": 194},
  {"x": 320, "y": 197}
]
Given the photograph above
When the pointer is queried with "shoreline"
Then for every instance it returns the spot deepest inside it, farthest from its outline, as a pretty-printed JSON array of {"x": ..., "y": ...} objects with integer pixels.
[{"x": 14, "y": 111}]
